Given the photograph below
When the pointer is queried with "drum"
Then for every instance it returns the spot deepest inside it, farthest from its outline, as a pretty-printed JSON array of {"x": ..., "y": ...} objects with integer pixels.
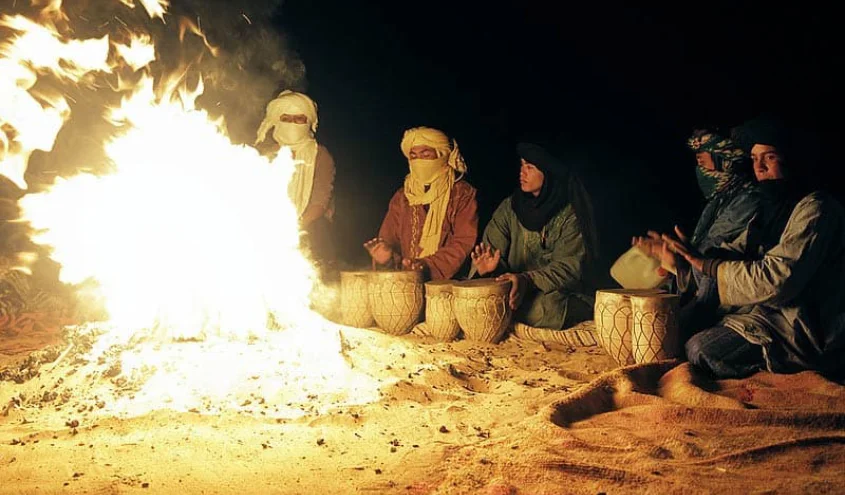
[
  {"x": 481, "y": 308},
  {"x": 396, "y": 300},
  {"x": 354, "y": 299},
  {"x": 655, "y": 330},
  {"x": 614, "y": 322},
  {"x": 439, "y": 318}
]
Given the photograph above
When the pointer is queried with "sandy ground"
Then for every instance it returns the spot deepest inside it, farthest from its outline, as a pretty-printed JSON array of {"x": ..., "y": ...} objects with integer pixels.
[
  {"x": 452, "y": 416},
  {"x": 459, "y": 418}
]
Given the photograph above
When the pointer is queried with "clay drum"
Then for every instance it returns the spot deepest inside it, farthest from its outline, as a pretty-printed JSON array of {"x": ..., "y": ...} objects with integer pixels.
[
  {"x": 655, "y": 330},
  {"x": 396, "y": 300},
  {"x": 481, "y": 308},
  {"x": 439, "y": 317},
  {"x": 614, "y": 322},
  {"x": 354, "y": 299}
]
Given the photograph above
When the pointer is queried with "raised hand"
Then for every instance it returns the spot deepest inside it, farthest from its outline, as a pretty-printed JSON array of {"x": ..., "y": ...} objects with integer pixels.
[
  {"x": 485, "y": 259},
  {"x": 680, "y": 245},
  {"x": 652, "y": 245},
  {"x": 379, "y": 250}
]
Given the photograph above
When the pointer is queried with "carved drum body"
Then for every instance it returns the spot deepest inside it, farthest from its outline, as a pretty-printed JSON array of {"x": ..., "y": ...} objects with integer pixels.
[
  {"x": 614, "y": 321},
  {"x": 439, "y": 318},
  {"x": 481, "y": 308},
  {"x": 396, "y": 300}
]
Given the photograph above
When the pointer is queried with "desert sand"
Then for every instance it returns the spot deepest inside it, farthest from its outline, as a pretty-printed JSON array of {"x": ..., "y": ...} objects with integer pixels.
[{"x": 459, "y": 417}]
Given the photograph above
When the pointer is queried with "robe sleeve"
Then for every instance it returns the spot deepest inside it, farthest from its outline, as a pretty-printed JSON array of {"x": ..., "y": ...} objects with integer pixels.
[
  {"x": 446, "y": 262},
  {"x": 321, "y": 191},
  {"x": 497, "y": 235},
  {"x": 785, "y": 270},
  {"x": 565, "y": 268}
]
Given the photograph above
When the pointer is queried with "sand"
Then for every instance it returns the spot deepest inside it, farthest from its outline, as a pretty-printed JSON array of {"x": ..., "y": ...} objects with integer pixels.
[{"x": 461, "y": 417}]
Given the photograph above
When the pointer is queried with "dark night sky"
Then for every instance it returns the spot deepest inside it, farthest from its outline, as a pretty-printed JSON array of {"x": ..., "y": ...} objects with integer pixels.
[{"x": 616, "y": 89}]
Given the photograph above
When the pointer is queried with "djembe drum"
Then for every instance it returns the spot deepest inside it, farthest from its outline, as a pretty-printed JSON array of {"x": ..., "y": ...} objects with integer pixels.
[
  {"x": 614, "y": 323},
  {"x": 439, "y": 318},
  {"x": 354, "y": 299},
  {"x": 481, "y": 308},
  {"x": 655, "y": 330},
  {"x": 396, "y": 300}
]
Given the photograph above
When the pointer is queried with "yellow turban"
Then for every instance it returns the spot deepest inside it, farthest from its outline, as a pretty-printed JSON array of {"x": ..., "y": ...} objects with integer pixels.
[
  {"x": 426, "y": 136},
  {"x": 430, "y": 182}
]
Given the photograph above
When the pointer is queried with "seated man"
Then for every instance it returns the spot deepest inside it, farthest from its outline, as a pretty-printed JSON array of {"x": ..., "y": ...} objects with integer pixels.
[
  {"x": 292, "y": 118},
  {"x": 724, "y": 178},
  {"x": 432, "y": 221},
  {"x": 794, "y": 293},
  {"x": 540, "y": 238}
]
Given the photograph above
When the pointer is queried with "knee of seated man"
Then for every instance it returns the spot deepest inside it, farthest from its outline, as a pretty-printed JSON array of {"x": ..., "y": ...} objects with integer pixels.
[{"x": 696, "y": 348}]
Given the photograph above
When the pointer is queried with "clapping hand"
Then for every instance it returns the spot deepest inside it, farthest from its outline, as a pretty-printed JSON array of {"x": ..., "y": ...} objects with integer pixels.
[{"x": 485, "y": 259}]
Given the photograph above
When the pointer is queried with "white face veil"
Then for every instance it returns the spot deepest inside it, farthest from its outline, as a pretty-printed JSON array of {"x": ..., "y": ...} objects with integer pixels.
[{"x": 298, "y": 137}]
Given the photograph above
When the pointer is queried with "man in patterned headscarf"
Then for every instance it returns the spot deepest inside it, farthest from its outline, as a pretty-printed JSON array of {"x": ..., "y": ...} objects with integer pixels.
[
  {"x": 733, "y": 200},
  {"x": 292, "y": 118},
  {"x": 792, "y": 290},
  {"x": 723, "y": 174},
  {"x": 432, "y": 221}
]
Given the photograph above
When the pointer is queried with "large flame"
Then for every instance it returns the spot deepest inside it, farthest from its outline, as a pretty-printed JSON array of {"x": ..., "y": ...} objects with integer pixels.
[
  {"x": 188, "y": 232},
  {"x": 188, "y": 236}
]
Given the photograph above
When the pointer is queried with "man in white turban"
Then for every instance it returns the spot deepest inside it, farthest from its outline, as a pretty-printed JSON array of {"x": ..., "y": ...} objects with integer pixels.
[
  {"x": 431, "y": 222},
  {"x": 291, "y": 119}
]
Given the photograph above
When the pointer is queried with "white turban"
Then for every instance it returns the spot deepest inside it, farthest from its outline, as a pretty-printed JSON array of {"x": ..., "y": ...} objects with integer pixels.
[{"x": 298, "y": 137}]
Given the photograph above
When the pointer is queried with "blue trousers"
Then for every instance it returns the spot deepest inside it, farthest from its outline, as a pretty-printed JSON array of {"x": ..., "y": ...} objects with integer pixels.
[{"x": 724, "y": 353}]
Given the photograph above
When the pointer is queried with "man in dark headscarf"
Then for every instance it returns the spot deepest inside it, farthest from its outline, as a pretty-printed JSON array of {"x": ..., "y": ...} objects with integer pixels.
[
  {"x": 540, "y": 238},
  {"x": 793, "y": 293}
]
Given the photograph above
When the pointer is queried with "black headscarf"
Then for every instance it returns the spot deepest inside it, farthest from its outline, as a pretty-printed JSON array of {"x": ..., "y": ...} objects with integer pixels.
[
  {"x": 561, "y": 186},
  {"x": 779, "y": 196},
  {"x": 768, "y": 130}
]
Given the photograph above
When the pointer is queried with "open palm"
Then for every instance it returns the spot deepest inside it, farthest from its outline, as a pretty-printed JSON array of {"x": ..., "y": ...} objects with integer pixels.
[{"x": 485, "y": 259}]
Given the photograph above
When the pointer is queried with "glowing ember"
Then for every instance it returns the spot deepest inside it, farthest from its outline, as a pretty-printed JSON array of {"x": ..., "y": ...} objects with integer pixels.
[{"x": 188, "y": 237}]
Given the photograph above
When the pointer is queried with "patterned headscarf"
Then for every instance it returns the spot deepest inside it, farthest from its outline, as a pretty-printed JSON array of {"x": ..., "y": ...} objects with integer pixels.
[{"x": 731, "y": 163}]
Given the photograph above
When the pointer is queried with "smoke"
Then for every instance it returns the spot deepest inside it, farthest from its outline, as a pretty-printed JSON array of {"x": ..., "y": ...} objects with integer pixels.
[
  {"x": 252, "y": 60},
  {"x": 242, "y": 57}
]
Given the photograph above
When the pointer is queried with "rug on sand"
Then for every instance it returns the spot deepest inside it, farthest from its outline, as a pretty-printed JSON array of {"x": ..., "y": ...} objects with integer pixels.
[{"x": 663, "y": 427}]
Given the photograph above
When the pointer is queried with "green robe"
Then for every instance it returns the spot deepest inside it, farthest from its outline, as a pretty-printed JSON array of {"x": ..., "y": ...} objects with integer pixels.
[{"x": 553, "y": 259}]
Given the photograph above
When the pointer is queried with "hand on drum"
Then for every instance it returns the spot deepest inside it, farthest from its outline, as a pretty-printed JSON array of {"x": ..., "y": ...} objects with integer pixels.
[
  {"x": 519, "y": 286},
  {"x": 680, "y": 245},
  {"x": 485, "y": 258},
  {"x": 413, "y": 265},
  {"x": 379, "y": 250}
]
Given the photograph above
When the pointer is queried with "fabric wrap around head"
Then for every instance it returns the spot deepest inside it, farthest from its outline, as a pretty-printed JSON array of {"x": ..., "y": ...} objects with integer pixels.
[
  {"x": 290, "y": 103},
  {"x": 770, "y": 131},
  {"x": 730, "y": 161},
  {"x": 433, "y": 138},
  {"x": 298, "y": 137},
  {"x": 430, "y": 182},
  {"x": 561, "y": 186}
]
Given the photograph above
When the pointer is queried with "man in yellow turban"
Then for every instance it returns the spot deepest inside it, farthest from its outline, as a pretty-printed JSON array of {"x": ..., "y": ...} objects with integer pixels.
[
  {"x": 432, "y": 221},
  {"x": 291, "y": 119}
]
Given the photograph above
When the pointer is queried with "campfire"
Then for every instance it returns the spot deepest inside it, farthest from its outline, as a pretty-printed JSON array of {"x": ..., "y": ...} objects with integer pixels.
[{"x": 186, "y": 241}]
